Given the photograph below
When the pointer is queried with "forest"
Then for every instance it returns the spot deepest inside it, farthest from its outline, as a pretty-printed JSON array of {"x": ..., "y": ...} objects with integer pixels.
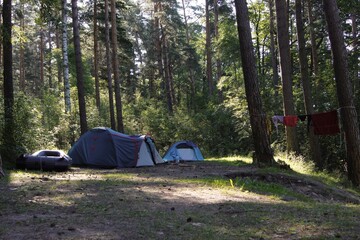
[{"x": 213, "y": 72}]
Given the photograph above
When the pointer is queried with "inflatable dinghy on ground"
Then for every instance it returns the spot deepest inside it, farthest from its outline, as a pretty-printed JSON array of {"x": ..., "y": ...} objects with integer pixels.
[{"x": 45, "y": 160}]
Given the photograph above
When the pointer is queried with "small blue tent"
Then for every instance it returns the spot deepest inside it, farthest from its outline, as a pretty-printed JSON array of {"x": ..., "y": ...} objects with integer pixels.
[
  {"x": 104, "y": 147},
  {"x": 183, "y": 151}
]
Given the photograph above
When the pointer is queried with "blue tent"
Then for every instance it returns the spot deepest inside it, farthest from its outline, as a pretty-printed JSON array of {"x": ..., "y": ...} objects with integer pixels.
[
  {"x": 183, "y": 151},
  {"x": 104, "y": 147}
]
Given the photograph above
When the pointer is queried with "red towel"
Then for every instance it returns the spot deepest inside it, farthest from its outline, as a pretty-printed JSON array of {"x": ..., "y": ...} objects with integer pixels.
[
  {"x": 290, "y": 121},
  {"x": 326, "y": 123}
]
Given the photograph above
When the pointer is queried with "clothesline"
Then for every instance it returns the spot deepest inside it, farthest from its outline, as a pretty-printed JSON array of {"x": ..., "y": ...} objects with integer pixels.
[{"x": 325, "y": 123}]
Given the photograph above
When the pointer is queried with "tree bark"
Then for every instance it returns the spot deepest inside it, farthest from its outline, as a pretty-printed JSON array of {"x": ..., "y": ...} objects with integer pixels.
[
  {"x": 79, "y": 68},
  {"x": 8, "y": 135},
  {"x": 65, "y": 58},
  {"x": 108, "y": 69},
  {"x": 191, "y": 71},
  {"x": 274, "y": 66},
  {"x": 58, "y": 59},
  {"x": 314, "y": 54},
  {"x": 96, "y": 57},
  {"x": 217, "y": 60},
  {"x": 168, "y": 88},
  {"x": 41, "y": 49},
  {"x": 344, "y": 91},
  {"x": 313, "y": 139},
  {"x": 285, "y": 65},
  {"x": 355, "y": 54},
  {"x": 119, "y": 117},
  {"x": 49, "y": 67},
  {"x": 209, "y": 75},
  {"x": 21, "y": 59},
  {"x": 263, "y": 151}
]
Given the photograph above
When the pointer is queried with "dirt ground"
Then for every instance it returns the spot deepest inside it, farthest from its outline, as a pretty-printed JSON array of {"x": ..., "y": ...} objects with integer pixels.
[{"x": 166, "y": 202}]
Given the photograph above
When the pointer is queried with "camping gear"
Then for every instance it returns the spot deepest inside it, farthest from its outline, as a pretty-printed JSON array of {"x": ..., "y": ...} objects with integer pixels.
[
  {"x": 183, "y": 151},
  {"x": 46, "y": 160},
  {"x": 105, "y": 148}
]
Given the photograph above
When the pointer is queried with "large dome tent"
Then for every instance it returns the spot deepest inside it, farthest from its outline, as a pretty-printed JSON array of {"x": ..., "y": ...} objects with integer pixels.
[{"x": 105, "y": 148}]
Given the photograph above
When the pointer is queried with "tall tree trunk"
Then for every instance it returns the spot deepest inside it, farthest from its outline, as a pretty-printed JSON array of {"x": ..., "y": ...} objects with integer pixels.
[
  {"x": 65, "y": 58},
  {"x": 79, "y": 68},
  {"x": 218, "y": 62},
  {"x": 119, "y": 117},
  {"x": 274, "y": 66},
  {"x": 285, "y": 64},
  {"x": 21, "y": 59},
  {"x": 58, "y": 60},
  {"x": 49, "y": 67},
  {"x": 263, "y": 151},
  {"x": 1, "y": 42},
  {"x": 344, "y": 90},
  {"x": 167, "y": 81},
  {"x": 209, "y": 75},
  {"x": 313, "y": 139},
  {"x": 108, "y": 69},
  {"x": 314, "y": 55},
  {"x": 96, "y": 57},
  {"x": 41, "y": 49},
  {"x": 355, "y": 55},
  {"x": 158, "y": 42},
  {"x": 8, "y": 135},
  {"x": 191, "y": 71}
]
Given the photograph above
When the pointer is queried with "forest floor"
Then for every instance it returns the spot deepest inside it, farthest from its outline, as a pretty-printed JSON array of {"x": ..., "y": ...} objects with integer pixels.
[{"x": 203, "y": 200}]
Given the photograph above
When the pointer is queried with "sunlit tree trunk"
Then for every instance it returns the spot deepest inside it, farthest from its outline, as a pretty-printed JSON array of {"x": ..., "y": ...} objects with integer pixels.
[
  {"x": 344, "y": 90},
  {"x": 96, "y": 57},
  {"x": 263, "y": 151},
  {"x": 108, "y": 67},
  {"x": 79, "y": 68},
  {"x": 65, "y": 58},
  {"x": 115, "y": 60},
  {"x": 313, "y": 139},
  {"x": 285, "y": 65}
]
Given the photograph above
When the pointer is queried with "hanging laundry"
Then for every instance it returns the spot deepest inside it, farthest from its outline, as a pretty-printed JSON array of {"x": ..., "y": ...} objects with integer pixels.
[
  {"x": 326, "y": 123},
  {"x": 302, "y": 117},
  {"x": 276, "y": 120},
  {"x": 290, "y": 120}
]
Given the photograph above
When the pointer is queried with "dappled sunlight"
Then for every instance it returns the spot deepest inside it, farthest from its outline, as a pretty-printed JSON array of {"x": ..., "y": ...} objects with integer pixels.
[
  {"x": 202, "y": 194},
  {"x": 185, "y": 200}
]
